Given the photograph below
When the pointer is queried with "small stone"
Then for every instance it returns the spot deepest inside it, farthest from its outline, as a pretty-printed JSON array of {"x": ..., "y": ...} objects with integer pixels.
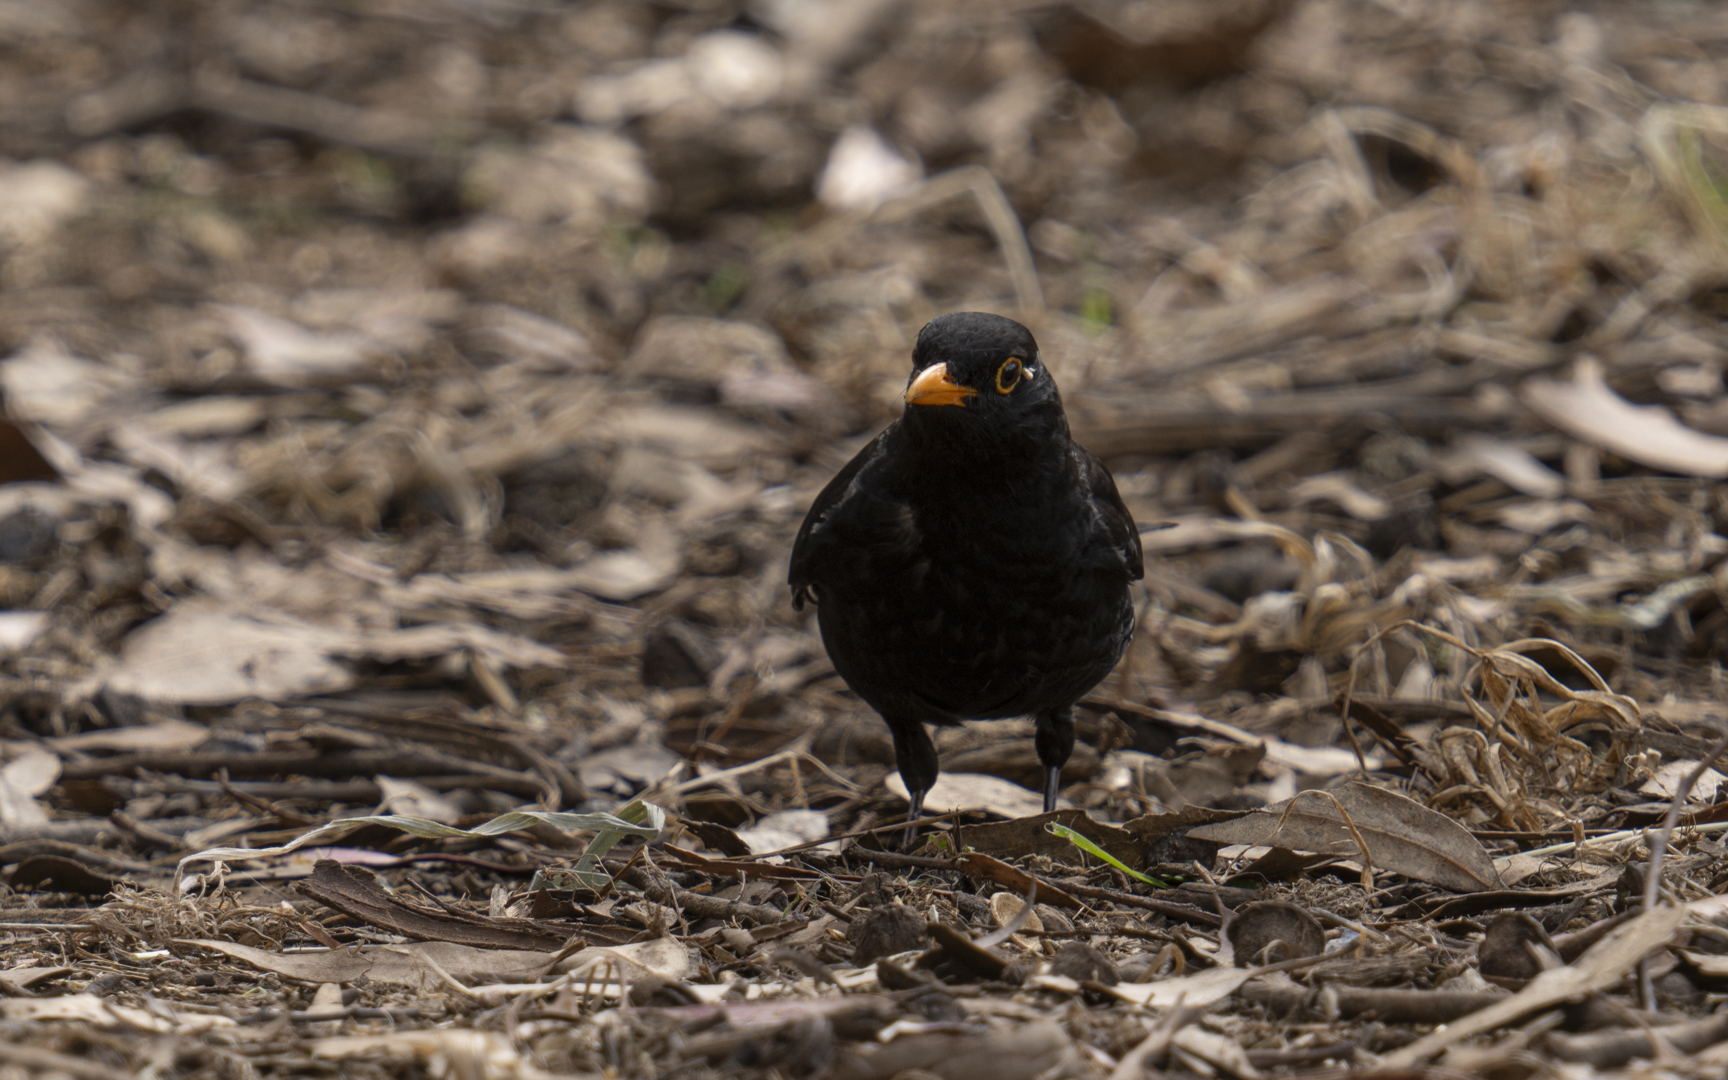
[
  {"x": 1257, "y": 926},
  {"x": 892, "y": 977},
  {"x": 739, "y": 941},
  {"x": 935, "y": 1005},
  {"x": 886, "y": 931},
  {"x": 1177, "y": 848},
  {"x": 1082, "y": 963},
  {"x": 27, "y": 536},
  {"x": 678, "y": 653},
  {"x": 1504, "y": 957}
]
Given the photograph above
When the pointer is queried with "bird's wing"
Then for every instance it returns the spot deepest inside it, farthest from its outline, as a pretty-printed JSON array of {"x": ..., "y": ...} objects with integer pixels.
[
  {"x": 810, "y": 539},
  {"x": 1118, "y": 522}
]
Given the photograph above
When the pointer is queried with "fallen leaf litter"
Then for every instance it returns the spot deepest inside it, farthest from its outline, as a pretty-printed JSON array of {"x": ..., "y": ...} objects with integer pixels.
[{"x": 407, "y": 409}]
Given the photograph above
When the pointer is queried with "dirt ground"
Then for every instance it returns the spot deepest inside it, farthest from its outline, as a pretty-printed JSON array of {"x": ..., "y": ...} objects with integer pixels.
[{"x": 408, "y": 407}]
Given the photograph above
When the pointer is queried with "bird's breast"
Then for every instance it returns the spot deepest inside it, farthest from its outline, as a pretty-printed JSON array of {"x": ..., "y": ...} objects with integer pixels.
[{"x": 981, "y": 629}]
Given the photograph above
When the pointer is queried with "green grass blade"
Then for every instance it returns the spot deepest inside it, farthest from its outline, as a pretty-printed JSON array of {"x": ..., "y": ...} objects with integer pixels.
[{"x": 1099, "y": 853}]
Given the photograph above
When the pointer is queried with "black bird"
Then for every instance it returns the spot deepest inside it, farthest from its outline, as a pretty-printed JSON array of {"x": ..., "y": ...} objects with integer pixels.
[{"x": 972, "y": 562}]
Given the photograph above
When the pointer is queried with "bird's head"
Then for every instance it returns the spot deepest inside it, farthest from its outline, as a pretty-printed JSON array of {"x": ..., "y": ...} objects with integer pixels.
[{"x": 975, "y": 372}]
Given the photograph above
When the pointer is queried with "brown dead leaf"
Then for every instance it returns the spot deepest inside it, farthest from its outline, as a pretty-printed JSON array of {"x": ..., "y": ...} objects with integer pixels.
[
  {"x": 397, "y": 965},
  {"x": 1402, "y": 835}
]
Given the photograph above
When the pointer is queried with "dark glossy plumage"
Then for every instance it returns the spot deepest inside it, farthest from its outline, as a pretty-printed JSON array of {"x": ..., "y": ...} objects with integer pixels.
[{"x": 972, "y": 562}]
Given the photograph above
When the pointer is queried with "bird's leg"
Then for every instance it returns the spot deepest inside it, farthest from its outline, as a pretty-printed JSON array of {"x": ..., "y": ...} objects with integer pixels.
[
  {"x": 1053, "y": 735},
  {"x": 915, "y": 755},
  {"x": 912, "y": 816}
]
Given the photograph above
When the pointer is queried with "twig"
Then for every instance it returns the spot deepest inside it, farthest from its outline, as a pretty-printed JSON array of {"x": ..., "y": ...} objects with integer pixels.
[
  {"x": 660, "y": 889},
  {"x": 1157, "y": 1042},
  {"x": 33, "y": 1058},
  {"x": 322, "y": 117},
  {"x": 1653, "y": 877},
  {"x": 1184, "y": 912}
]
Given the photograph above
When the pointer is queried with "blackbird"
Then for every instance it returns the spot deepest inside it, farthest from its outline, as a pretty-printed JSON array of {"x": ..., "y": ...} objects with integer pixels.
[{"x": 972, "y": 562}]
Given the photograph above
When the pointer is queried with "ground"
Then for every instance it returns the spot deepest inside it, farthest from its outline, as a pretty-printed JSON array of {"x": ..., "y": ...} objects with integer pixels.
[{"x": 408, "y": 407}]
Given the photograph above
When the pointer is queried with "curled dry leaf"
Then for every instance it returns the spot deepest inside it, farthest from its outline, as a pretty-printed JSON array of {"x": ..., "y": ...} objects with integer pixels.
[
  {"x": 1475, "y": 455},
  {"x": 1509, "y": 954},
  {"x": 1004, "y": 906},
  {"x": 1648, "y": 434},
  {"x": 630, "y": 573}
]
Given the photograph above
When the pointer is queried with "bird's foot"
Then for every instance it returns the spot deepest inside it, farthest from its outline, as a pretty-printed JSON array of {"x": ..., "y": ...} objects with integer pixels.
[
  {"x": 1052, "y": 781},
  {"x": 912, "y": 816}
]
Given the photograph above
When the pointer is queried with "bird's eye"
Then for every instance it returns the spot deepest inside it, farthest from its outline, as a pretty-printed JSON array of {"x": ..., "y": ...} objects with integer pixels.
[{"x": 1008, "y": 375}]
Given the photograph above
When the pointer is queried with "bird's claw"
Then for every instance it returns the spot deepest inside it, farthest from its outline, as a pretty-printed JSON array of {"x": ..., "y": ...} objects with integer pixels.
[{"x": 913, "y": 814}]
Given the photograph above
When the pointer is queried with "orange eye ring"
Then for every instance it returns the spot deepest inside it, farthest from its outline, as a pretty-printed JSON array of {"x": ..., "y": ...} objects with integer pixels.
[{"x": 1009, "y": 374}]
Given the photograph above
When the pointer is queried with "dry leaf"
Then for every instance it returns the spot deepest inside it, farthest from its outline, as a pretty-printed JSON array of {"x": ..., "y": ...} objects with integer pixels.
[
  {"x": 472, "y": 1055},
  {"x": 211, "y": 651},
  {"x": 287, "y": 354},
  {"x": 206, "y": 653},
  {"x": 630, "y": 573},
  {"x": 19, "y": 628},
  {"x": 23, "y": 778},
  {"x": 102, "y": 1013},
  {"x": 415, "y": 800},
  {"x": 973, "y": 791},
  {"x": 663, "y": 957},
  {"x": 1668, "y": 778},
  {"x": 1473, "y": 455},
  {"x": 44, "y": 383},
  {"x": 863, "y": 171},
  {"x": 1402, "y": 835},
  {"x": 164, "y": 736},
  {"x": 1648, "y": 434},
  {"x": 35, "y": 197},
  {"x": 397, "y": 965},
  {"x": 784, "y": 829},
  {"x": 1211, "y": 985}
]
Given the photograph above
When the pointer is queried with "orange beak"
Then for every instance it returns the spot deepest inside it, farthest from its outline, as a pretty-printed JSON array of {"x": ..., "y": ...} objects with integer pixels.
[{"x": 934, "y": 386}]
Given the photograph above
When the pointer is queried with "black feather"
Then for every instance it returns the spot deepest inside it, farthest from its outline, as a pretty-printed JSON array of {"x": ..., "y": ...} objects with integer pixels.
[{"x": 972, "y": 562}]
